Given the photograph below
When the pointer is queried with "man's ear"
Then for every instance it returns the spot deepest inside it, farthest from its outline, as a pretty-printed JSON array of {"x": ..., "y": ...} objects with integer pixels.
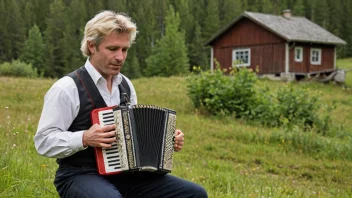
[{"x": 91, "y": 47}]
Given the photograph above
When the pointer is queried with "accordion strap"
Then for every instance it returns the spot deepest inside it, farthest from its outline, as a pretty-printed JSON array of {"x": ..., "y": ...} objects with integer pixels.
[{"x": 125, "y": 92}]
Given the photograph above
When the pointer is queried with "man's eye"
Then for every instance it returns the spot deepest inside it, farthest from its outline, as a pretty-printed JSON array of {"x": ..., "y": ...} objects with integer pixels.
[{"x": 112, "y": 48}]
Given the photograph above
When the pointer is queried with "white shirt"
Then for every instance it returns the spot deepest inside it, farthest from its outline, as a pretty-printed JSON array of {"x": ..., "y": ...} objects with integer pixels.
[{"x": 61, "y": 107}]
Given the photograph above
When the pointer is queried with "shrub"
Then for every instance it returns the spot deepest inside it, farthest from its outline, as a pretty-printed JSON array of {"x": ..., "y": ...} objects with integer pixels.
[
  {"x": 237, "y": 95},
  {"x": 18, "y": 69},
  {"x": 220, "y": 94}
]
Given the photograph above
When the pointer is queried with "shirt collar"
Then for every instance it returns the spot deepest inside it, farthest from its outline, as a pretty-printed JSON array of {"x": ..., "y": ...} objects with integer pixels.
[{"x": 96, "y": 76}]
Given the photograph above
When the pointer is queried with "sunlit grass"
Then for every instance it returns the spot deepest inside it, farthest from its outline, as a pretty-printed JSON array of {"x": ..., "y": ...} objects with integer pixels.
[
  {"x": 346, "y": 64},
  {"x": 230, "y": 158}
]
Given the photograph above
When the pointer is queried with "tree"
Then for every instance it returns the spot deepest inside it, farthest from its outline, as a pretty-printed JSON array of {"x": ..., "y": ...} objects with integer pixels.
[
  {"x": 266, "y": 6},
  {"x": 131, "y": 67},
  {"x": 169, "y": 56},
  {"x": 72, "y": 35},
  {"x": 211, "y": 21},
  {"x": 298, "y": 8},
  {"x": 321, "y": 12},
  {"x": 229, "y": 10},
  {"x": 198, "y": 54},
  {"x": 53, "y": 37},
  {"x": 149, "y": 30},
  {"x": 12, "y": 30},
  {"x": 33, "y": 50}
]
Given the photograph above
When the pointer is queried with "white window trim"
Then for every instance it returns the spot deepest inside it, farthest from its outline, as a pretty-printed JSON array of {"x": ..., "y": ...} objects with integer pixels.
[
  {"x": 311, "y": 56},
  {"x": 241, "y": 50},
  {"x": 300, "y": 55}
]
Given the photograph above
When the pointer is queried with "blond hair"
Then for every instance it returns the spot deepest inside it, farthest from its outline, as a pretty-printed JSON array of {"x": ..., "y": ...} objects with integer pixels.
[{"x": 103, "y": 24}]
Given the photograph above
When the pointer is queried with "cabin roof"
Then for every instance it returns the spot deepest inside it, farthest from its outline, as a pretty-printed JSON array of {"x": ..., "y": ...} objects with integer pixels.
[{"x": 295, "y": 29}]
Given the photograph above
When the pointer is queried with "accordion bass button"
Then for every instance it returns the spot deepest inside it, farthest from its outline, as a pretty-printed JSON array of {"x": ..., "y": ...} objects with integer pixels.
[{"x": 128, "y": 137}]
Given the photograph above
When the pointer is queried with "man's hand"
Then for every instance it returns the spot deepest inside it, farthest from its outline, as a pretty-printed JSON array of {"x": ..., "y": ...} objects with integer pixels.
[
  {"x": 98, "y": 136},
  {"x": 179, "y": 140}
]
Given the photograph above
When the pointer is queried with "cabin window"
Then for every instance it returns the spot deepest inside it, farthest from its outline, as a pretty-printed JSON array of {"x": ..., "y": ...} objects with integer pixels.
[
  {"x": 315, "y": 56},
  {"x": 241, "y": 57},
  {"x": 298, "y": 54}
]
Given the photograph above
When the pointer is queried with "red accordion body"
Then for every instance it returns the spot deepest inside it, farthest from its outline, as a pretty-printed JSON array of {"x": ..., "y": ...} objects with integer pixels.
[{"x": 144, "y": 139}]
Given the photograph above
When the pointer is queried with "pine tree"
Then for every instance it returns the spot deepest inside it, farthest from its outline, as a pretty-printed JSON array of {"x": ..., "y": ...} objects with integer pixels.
[
  {"x": 28, "y": 15},
  {"x": 12, "y": 30},
  {"x": 53, "y": 37},
  {"x": 321, "y": 12},
  {"x": 149, "y": 29},
  {"x": 187, "y": 20},
  {"x": 33, "y": 50},
  {"x": 198, "y": 54},
  {"x": 211, "y": 21},
  {"x": 229, "y": 10},
  {"x": 131, "y": 67},
  {"x": 298, "y": 8},
  {"x": 266, "y": 6},
  {"x": 169, "y": 56},
  {"x": 73, "y": 34},
  {"x": 346, "y": 28}
]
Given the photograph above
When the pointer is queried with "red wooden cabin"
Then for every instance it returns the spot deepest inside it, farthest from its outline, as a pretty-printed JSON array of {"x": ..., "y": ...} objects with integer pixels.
[{"x": 277, "y": 45}]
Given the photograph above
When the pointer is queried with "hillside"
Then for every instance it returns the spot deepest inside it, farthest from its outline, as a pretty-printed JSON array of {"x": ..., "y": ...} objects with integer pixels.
[{"x": 230, "y": 158}]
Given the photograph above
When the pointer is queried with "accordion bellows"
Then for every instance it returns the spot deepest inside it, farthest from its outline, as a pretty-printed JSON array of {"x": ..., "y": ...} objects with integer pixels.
[{"x": 144, "y": 135}]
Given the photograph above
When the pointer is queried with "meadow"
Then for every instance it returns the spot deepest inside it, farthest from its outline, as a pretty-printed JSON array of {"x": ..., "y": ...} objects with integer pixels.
[{"x": 229, "y": 157}]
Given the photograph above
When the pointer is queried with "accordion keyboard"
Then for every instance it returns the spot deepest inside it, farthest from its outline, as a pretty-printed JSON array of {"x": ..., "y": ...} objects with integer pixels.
[{"x": 111, "y": 155}]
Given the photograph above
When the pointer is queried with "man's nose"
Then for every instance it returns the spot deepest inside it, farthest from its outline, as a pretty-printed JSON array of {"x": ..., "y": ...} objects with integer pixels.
[{"x": 119, "y": 54}]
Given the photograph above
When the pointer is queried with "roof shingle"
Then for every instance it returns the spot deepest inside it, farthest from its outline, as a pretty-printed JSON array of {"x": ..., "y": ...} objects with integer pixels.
[{"x": 291, "y": 29}]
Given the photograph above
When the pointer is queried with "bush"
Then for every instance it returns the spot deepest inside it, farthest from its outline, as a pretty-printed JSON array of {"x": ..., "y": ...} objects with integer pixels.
[
  {"x": 220, "y": 94},
  {"x": 237, "y": 95},
  {"x": 18, "y": 69}
]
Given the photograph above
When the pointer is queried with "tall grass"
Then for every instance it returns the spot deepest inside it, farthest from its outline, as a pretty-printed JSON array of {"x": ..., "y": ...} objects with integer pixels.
[
  {"x": 346, "y": 64},
  {"x": 230, "y": 158}
]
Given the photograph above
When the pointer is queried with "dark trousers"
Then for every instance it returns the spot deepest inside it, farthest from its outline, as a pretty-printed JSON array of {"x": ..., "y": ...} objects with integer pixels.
[{"x": 71, "y": 181}]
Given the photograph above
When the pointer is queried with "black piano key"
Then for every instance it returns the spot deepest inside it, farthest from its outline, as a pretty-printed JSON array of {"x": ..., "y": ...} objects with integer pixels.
[{"x": 114, "y": 164}]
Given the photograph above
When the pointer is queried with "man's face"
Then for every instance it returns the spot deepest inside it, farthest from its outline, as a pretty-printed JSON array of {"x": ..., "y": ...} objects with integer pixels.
[{"x": 109, "y": 57}]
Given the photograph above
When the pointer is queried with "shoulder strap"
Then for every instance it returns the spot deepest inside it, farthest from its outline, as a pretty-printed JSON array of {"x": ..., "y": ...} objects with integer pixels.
[{"x": 125, "y": 92}]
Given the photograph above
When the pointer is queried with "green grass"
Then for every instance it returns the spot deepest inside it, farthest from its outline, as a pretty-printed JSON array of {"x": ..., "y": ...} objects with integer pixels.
[
  {"x": 346, "y": 64},
  {"x": 230, "y": 158}
]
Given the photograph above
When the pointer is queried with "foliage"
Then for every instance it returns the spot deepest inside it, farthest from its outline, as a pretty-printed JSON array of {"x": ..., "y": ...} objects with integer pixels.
[
  {"x": 169, "y": 56},
  {"x": 220, "y": 94},
  {"x": 230, "y": 158},
  {"x": 33, "y": 50},
  {"x": 61, "y": 23},
  {"x": 131, "y": 67},
  {"x": 238, "y": 95},
  {"x": 18, "y": 69},
  {"x": 197, "y": 52},
  {"x": 53, "y": 36}
]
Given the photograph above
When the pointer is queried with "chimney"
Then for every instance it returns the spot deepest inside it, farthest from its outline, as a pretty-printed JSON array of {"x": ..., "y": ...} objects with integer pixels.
[{"x": 287, "y": 13}]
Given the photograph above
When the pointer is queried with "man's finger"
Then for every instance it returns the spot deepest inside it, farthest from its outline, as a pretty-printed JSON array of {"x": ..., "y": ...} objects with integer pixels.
[{"x": 109, "y": 127}]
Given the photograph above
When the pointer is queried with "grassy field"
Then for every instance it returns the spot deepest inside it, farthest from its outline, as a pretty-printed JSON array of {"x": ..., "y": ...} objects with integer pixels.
[
  {"x": 346, "y": 64},
  {"x": 230, "y": 158}
]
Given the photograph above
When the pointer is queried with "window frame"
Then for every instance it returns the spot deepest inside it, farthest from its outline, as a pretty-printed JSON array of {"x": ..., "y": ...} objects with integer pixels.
[
  {"x": 312, "y": 50},
  {"x": 300, "y": 54},
  {"x": 234, "y": 57}
]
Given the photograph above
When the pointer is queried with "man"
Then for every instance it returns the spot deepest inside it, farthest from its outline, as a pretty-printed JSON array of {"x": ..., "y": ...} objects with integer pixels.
[{"x": 65, "y": 131}]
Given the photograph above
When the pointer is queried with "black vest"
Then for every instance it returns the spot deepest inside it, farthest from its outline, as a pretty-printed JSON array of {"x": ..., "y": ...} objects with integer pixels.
[{"x": 89, "y": 98}]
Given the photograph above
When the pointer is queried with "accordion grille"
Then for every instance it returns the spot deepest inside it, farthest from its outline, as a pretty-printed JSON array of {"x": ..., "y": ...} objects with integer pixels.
[
  {"x": 129, "y": 144},
  {"x": 169, "y": 149}
]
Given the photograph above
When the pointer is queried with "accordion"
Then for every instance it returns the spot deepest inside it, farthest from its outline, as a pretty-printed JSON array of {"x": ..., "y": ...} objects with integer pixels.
[{"x": 145, "y": 135}]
